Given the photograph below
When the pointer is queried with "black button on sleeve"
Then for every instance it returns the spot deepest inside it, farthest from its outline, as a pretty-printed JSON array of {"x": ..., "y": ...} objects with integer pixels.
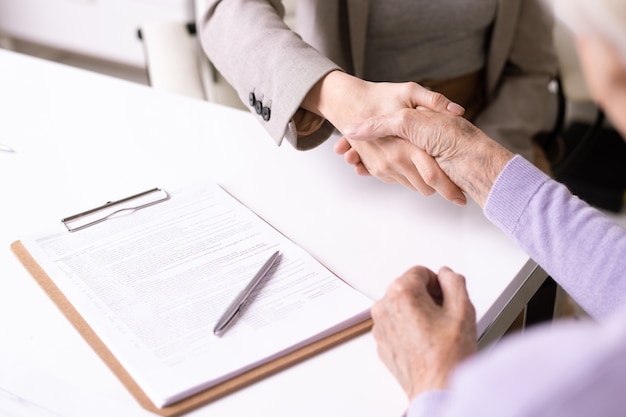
[
  {"x": 258, "y": 107},
  {"x": 252, "y": 99},
  {"x": 266, "y": 113}
]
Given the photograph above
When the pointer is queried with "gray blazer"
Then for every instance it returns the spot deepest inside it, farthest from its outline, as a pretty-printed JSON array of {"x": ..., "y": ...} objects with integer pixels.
[{"x": 266, "y": 62}]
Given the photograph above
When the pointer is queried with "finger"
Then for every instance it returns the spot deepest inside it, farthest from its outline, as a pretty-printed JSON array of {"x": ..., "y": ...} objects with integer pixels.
[
  {"x": 431, "y": 173},
  {"x": 384, "y": 335},
  {"x": 402, "y": 179},
  {"x": 378, "y": 312},
  {"x": 381, "y": 321},
  {"x": 397, "y": 124},
  {"x": 422, "y": 282},
  {"x": 397, "y": 167},
  {"x": 407, "y": 172},
  {"x": 435, "y": 101},
  {"x": 361, "y": 170},
  {"x": 352, "y": 157},
  {"x": 384, "y": 319},
  {"x": 413, "y": 181},
  {"x": 454, "y": 290},
  {"x": 342, "y": 146},
  {"x": 434, "y": 289}
]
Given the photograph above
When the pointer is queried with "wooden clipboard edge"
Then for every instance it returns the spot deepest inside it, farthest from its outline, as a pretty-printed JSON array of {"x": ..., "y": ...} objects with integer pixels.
[
  {"x": 79, "y": 323},
  {"x": 196, "y": 400},
  {"x": 263, "y": 371}
]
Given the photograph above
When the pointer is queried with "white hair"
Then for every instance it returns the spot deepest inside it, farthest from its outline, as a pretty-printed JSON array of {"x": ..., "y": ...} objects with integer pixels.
[{"x": 605, "y": 19}]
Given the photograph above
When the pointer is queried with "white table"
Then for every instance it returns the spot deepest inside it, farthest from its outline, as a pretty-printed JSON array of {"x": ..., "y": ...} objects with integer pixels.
[{"x": 82, "y": 139}]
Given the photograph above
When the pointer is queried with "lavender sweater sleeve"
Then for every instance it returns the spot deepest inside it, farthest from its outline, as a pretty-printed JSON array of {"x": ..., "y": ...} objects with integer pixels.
[
  {"x": 575, "y": 369},
  {"x": 577, "y": 245}
]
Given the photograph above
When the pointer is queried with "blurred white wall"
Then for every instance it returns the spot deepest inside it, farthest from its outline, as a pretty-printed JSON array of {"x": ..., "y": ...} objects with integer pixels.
[{"x": 103, "y": 29}]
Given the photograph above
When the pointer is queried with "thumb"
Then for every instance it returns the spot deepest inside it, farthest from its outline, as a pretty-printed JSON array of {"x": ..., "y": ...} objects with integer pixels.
[
  {"x": 372, "y": 128},
  {"x": 424, "y": 97}
]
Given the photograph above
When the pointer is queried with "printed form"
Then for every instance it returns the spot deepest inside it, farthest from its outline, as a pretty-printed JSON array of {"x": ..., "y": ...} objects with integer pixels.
[{"x": 153, "y": 283}]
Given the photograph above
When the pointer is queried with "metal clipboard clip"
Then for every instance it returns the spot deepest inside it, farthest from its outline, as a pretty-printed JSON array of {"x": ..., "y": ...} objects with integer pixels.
[{"x": 113, "y": 208}]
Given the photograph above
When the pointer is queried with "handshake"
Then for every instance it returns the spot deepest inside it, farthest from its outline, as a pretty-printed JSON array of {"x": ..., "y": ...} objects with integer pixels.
[{"x": 426, "y": 150}]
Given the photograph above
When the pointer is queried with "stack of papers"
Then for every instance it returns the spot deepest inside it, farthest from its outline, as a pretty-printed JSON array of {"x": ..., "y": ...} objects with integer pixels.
[{"x": 147, "y": 287}]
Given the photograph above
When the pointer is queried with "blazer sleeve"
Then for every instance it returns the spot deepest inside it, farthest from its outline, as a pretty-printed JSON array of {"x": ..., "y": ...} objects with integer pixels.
[
  {"x": 270, "y": 66},
  {"x": 517, "y": 106}
]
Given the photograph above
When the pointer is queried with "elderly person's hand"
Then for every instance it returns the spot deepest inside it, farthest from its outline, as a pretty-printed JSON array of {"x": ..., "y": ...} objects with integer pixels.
[
  {"x": 424, "y": 326},
  {"x": 466, "y": 155}
]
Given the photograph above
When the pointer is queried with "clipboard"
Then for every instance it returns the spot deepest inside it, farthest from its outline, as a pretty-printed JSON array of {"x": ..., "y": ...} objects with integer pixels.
[{"x": 194, "y": 401}]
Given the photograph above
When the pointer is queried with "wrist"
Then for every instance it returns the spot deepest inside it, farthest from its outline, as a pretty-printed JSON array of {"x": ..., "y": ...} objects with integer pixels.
[
  {"x": 328, "y": 97},
  {"x": 481, "y": 168}
]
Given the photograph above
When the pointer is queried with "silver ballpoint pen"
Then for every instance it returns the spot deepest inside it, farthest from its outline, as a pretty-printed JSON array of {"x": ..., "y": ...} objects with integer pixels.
[{"x": 235, "y": 307}]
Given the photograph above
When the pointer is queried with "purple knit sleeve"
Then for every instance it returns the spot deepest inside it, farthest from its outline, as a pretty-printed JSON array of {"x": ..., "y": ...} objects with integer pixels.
[
  {"x": 532, "y": 374},
  {"x": 582, "y": 249},
  {"x": 430, "y": 403},
  {"x": 573, "y": 368}
]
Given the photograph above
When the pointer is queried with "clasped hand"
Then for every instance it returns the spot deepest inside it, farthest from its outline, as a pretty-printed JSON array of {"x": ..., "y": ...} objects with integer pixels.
[
  {"x": 344, "y": 99},
  {"x": 424, "y": 326}
]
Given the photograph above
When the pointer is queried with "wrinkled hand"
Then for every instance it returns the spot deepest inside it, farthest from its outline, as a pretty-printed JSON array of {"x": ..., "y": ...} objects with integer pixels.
[
  {"x": 344, "y": 99},
  {"x": 398, "y": 161},
  {"x": 466, "y": 156},
  {"x": 424, "y": 326}
]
